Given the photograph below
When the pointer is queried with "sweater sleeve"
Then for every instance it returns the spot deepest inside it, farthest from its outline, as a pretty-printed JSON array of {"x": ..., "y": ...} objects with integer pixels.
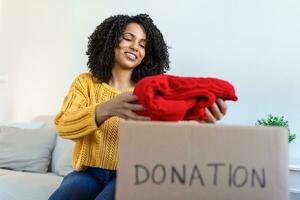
[{"x": 76, "y": 118}]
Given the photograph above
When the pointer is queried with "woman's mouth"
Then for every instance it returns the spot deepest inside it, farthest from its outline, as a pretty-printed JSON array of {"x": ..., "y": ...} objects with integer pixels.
[{"x": 131, "y": 56}]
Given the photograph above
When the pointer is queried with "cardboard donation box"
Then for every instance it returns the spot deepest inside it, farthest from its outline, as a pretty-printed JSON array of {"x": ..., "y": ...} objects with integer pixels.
[{"x": 192, "y": 161}]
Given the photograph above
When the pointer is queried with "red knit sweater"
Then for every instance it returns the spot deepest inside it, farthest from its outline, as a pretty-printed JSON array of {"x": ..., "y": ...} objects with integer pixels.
[{"x": 174, "y": 98}]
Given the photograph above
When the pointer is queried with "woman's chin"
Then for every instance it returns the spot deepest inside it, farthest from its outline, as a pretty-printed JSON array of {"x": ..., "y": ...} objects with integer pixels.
[{"x": 129, "y": 66}]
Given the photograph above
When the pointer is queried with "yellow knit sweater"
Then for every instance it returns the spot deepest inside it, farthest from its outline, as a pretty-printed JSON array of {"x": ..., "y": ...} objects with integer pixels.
[{"x": 94, "y": 146}]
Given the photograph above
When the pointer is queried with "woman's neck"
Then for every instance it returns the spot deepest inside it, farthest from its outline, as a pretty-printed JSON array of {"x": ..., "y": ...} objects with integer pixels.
[{"x": 121, "y": 79}]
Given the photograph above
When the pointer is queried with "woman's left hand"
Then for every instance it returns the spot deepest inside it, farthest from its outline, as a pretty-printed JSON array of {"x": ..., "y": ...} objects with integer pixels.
[{"x": 216, "y": 111}]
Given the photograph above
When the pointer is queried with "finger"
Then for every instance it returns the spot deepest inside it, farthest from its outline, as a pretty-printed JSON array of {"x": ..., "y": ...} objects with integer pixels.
[
  {"x": 123, "y": 116},
  {"x": 210, "y": 117},
  {"x": 132, "y": 106},
  {"x": 216, "y": 111},
  {"x": 222, "y": 105},
  {"x": 132, "y": 115},
  {"x": 201, "y": 121},
  {"x": 129, "y": 97}
]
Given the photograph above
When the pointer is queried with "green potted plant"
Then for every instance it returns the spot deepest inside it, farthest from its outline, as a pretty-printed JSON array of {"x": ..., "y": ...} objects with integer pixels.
[{"x": 276, "y": 121}]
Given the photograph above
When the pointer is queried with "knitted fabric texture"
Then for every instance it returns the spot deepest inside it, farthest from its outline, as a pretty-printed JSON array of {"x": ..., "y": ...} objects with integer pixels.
[
  {"x": 94, "y": 146},
  {"x": 174, "y": 98}
]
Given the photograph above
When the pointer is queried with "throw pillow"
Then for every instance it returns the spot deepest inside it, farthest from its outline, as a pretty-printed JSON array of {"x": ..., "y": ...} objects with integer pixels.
[{"x": 26, "y": 149}]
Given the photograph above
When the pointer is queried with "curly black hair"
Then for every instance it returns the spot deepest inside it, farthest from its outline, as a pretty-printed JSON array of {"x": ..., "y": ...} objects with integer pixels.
[{"x": 105, "y": 39}]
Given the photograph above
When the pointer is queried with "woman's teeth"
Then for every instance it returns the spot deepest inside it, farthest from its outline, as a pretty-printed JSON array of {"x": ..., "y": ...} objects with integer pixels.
[{"x": 131, "y": 56}]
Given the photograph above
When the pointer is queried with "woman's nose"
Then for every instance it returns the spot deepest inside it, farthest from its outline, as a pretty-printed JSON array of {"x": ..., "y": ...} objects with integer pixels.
[{"x": 134, "y": 46}]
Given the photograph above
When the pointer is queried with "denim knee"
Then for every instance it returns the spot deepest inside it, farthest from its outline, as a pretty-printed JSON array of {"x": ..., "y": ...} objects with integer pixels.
[
  {"x": 77, "y": 186},
  {"x": 108, "y": 193}
]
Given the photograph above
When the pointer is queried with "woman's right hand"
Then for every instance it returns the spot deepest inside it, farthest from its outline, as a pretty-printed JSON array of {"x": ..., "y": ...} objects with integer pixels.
[{"x": 120, "y": 106}]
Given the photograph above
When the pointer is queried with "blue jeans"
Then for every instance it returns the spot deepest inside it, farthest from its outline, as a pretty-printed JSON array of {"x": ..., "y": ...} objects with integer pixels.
[{"x": 92, "y": 184}]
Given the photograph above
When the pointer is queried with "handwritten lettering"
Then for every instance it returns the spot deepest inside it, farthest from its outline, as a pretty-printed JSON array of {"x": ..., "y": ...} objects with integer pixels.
[{"x": 236, "y": 176}]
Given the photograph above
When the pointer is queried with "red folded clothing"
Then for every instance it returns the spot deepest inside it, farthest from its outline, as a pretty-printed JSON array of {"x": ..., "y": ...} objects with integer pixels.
[{"x": 174, "y": 98}]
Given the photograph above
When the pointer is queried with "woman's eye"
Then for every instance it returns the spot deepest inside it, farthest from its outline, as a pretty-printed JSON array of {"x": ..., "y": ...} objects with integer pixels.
[
  {"x": 128, "y": 39},
  {"x": 143, "y": 46}
]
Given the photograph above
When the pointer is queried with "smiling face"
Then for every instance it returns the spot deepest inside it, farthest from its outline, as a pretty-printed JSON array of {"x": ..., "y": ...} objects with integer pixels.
[{"x": 131, "y": 49}]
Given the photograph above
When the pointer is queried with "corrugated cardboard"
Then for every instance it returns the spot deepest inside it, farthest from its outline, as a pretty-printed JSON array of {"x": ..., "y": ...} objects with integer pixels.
[{"x": 193, "y": 161}]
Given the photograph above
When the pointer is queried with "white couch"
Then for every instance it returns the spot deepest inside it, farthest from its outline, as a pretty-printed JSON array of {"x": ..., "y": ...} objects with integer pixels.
[
  {"x": 33, "y": 160},
  {"x": 28, "y": 185}
]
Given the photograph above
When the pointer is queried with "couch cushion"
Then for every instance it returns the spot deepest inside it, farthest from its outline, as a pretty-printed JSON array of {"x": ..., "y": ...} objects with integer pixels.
[
  {"x": 47, "y": 120},
  {"x": 28, "y": 186},
  {"x": 26, "y": 149},
  {"x": 62, "y": 157},
  {"x": 25, "y": 125},
  {"x": 61, "y": 162},
  {"x": 6, "y": 172}
]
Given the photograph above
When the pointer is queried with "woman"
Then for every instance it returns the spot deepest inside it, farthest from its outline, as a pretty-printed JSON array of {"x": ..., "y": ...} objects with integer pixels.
[{"x": 122, "y": 50}]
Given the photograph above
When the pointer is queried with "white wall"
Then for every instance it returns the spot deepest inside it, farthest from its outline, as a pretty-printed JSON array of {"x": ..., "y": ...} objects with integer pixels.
[{"x": 254, "y": 44}]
